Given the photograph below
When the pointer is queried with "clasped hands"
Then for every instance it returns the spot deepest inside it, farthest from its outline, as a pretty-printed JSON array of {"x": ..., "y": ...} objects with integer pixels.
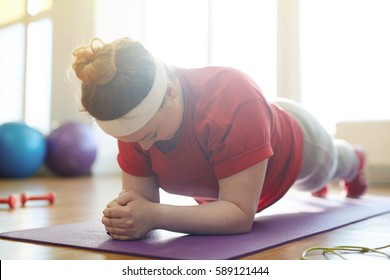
[{"x": 128, "y": 217}]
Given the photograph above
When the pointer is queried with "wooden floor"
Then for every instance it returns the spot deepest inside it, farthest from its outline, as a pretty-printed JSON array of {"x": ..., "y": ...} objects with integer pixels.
[{"x": 83, "y": 199}]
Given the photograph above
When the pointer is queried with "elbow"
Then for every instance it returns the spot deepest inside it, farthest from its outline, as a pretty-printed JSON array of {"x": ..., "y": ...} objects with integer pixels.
[
  {"x": 247, "y": 227},
  {"x": 243, "y": 229},
  {"x": 245, "y": 222},
  {"x": 243, "y": 226},
  {"x": 237, "y": 220}
]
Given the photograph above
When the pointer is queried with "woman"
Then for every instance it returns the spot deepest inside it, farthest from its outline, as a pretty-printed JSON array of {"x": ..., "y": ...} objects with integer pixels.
[{"x": 207, "y": 133}]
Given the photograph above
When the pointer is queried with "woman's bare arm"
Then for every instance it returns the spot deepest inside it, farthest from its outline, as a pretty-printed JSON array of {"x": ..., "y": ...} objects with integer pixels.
[{"x": 134, "y": 213}]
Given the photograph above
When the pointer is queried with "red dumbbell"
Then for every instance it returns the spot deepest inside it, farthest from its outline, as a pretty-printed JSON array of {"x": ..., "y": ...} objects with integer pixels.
[
  {"x": 49, "y": 197},
  {"x": 11, "y": 200}
]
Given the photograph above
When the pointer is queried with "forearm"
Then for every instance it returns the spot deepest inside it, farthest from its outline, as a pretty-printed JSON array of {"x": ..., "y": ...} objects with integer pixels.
[
  {"x": 219, "y": 217},
  {"x": 137, "y": 210}
]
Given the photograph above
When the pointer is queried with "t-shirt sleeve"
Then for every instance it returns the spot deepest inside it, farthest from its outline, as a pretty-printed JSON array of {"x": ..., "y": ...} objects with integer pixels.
[
  {"x": 243, "y": 142},
  {"x": 133, "y": 160}
]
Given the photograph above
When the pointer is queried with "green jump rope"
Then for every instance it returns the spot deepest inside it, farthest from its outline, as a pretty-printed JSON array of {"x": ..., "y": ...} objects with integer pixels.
[{"x": 337, "y": 250}]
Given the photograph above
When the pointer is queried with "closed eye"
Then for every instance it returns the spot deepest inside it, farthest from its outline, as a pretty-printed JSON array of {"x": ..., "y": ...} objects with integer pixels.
[
  {"x": 147, "y": 136},
  {"x": 154, "y": 135}
]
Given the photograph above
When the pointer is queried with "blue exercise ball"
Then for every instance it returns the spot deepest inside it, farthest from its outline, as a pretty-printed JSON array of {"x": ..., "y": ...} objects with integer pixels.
[
  {"x": 71, "y": 149},
  {"x": 22, "y": 150}
]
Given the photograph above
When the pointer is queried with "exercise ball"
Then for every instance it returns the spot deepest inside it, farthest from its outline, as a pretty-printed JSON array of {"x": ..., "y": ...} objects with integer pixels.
[
  {"x": 22, "y": 150},
  {"x": 71, "y": 149}
]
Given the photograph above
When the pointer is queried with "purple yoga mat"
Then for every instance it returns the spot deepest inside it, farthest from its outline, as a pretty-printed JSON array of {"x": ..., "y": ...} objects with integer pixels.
[{"x": 292, "y": 218}]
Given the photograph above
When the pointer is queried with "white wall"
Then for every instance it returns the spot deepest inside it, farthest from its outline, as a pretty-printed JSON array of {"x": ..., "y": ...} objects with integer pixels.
[
  {"x": 288, "y": 70},
  {"x": 374, "y": 138},
  {"x": 72, "y": 25}
]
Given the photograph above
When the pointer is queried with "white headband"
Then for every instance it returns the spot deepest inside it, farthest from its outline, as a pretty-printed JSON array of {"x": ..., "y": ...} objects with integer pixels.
[{"x": 136, "y": 118}]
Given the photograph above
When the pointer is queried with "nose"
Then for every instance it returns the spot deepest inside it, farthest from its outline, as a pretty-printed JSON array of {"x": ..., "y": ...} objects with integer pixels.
[{"x": 146, "y": 144}]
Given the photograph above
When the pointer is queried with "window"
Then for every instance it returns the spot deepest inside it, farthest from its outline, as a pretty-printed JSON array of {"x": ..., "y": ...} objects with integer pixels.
[
  {"x": 244, "y": 36},
  {"x": 176, "y": 31},
  {"x": 38, "y": 79},
  {"x": 345, "y": 59},
  {"x": 235, "y": 33},
  {"x": 25, "y": 53},
  {"x": 12, "y": 44}
]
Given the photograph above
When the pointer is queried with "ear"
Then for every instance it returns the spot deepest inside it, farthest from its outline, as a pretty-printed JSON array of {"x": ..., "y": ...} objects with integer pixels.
[{"x": 171, "y": 92}]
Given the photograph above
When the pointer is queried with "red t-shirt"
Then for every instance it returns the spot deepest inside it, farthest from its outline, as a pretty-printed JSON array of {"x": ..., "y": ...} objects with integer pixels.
[{"x": 227, "y": 127}]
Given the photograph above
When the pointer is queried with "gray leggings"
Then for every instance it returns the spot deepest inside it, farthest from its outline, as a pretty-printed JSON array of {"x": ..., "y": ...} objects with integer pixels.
[{"x": 324, "y": 159}]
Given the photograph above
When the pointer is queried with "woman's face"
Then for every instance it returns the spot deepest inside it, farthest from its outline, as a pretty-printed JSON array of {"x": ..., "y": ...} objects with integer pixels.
[{"x": 165, "y": 123}]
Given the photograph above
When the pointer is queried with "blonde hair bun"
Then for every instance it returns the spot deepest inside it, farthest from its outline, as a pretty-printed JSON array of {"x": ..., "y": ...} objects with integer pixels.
[{"x": 95, "y": 63}]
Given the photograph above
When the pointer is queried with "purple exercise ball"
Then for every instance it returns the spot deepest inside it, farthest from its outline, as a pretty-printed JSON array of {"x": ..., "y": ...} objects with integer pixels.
[{"x": 71, "y": 149}]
